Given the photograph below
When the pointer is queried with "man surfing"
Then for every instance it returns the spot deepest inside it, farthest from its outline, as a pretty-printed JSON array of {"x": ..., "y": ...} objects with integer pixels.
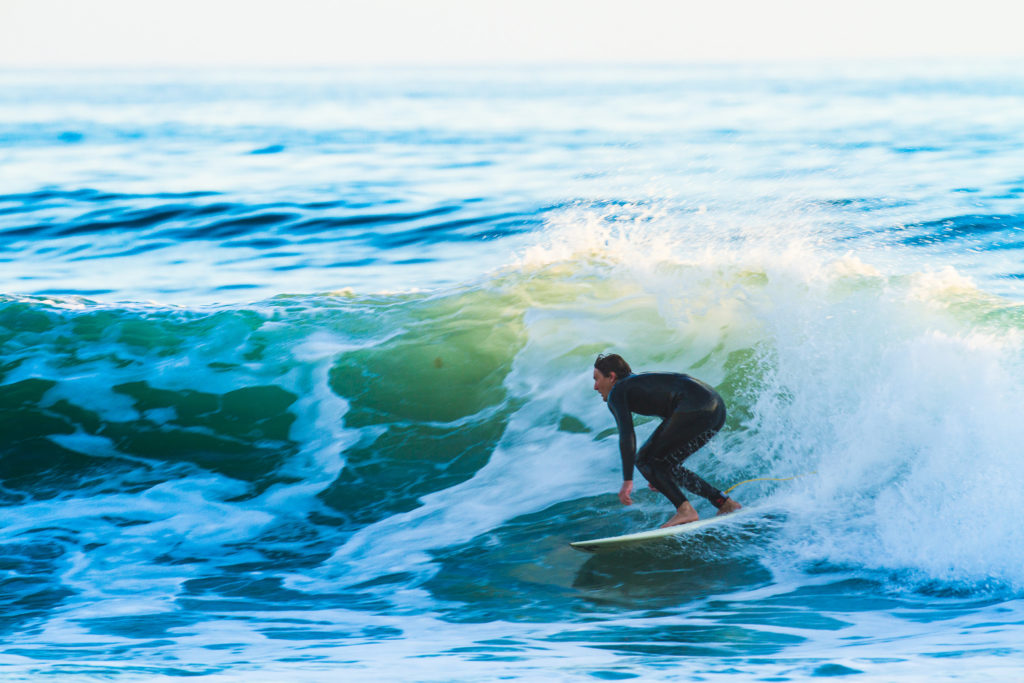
[{"x": 691, "y": 412}]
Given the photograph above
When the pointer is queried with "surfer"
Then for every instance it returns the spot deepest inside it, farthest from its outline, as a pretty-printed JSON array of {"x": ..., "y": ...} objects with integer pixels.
[{"x": 691, "y": 412}]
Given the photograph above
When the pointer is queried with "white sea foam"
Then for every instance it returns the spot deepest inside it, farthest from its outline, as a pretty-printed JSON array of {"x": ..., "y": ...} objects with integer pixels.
[{"x": 893, "y": 388}]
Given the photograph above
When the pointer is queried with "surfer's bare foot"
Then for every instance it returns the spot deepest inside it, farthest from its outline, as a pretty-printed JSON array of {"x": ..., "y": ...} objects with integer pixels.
[
  {"x": 684, "y": 514},
  {"x": 728, "y": 506}
]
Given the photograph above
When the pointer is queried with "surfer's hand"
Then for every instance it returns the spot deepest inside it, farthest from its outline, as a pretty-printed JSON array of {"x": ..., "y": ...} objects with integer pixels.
[
  {"x": 625, "y": 491},
  {"x": 651, "y": 487}
]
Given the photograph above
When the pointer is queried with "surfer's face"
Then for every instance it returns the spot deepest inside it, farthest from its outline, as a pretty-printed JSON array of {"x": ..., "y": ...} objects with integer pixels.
[{"x": 603, "y": 383}]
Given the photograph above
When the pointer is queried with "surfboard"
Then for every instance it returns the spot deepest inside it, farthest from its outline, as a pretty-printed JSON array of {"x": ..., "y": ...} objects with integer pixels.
[{"x": 599, "y": 545}]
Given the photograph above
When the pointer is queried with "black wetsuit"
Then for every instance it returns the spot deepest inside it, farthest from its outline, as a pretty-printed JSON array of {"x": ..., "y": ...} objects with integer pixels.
[{"x": 691, "y": 412}]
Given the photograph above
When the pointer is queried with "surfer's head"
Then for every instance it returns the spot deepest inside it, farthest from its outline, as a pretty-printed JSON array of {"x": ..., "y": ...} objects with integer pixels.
[{"x": 608, "y": 369}]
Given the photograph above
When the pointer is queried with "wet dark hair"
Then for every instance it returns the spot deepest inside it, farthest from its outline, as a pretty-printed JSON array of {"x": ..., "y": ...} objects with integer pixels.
[{"x": 607, "y": 363}]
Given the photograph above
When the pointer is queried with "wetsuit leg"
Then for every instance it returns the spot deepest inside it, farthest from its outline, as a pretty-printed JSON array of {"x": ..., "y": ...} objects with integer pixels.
[{"x": 660, "y": 460}]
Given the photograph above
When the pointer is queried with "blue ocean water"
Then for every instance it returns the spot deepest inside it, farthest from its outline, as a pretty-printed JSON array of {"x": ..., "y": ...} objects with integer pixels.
[{"x": 295, "y": 371}]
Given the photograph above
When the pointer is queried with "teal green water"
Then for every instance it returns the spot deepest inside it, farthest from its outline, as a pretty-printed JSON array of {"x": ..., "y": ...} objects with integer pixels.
[
  {"x": 320, "y": 480},
  {"x": 295, "y": 372}
]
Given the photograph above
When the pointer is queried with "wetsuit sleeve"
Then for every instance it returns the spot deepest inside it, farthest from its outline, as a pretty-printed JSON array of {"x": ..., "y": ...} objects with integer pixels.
[{"x": 627, "y": 436}]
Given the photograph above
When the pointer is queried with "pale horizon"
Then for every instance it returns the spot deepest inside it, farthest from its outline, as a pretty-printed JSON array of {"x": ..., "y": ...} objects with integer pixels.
[{"x": 319, "y": 33}]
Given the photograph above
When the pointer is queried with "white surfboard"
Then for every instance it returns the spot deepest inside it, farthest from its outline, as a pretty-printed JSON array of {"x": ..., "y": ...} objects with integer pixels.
[{"x": 599, "y": 545}]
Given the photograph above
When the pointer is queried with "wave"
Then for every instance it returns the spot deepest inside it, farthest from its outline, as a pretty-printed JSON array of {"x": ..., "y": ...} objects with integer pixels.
[
  {"x": 389, "y": 427},
  {"x": 203, "y": 247},
  {"x": 103, "y": 214}
]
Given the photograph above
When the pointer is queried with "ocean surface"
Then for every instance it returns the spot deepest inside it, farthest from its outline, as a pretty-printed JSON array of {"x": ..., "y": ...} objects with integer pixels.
[{"x": 295, "y": 371}]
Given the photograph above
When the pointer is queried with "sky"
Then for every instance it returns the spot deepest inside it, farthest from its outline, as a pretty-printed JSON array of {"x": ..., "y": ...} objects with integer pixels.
[{"x": 120, "y": 33}]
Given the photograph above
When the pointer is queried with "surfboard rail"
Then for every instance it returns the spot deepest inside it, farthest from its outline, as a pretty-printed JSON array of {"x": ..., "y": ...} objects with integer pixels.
[{"x": 609, "y": 543}]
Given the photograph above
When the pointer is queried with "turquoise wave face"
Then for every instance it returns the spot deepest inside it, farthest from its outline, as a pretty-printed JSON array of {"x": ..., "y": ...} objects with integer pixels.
[
  {"x": 344, "y": 470},
  {"x": 372, "y": 405}
]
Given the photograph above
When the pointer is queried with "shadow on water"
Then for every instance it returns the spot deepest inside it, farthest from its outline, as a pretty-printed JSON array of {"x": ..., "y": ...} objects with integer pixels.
[
  {"x": 668, "y": 600},
  {"x": 670, "y": 574},
  {"x": 525, "y": 570}
]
